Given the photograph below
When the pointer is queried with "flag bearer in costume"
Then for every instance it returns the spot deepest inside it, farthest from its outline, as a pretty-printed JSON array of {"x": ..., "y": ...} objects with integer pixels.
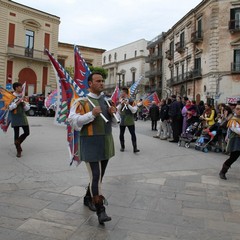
[
  {"x": 126, "y": 110},
  {"x": 233, "y": 145},
  {"x": 96, "y": 144},
  {"x": 18, "y": 117}
]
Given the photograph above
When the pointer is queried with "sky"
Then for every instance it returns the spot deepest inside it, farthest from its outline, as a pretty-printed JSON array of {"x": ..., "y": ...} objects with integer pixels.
[{"x": 112, "y": 23}]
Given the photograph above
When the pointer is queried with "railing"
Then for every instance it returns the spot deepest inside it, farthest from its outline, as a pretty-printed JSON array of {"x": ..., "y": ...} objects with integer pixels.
[
  {"x": 197, "y": 37},
  {"x": 188, "y": 76},
  {"x": 235, "y": 67},
  {"x": 153, "y": 57},
  {"x": 169, "y": 55},
  {"x": 180, "y": 47},
  {"x": 26, "y": 53},
  {"x": 234, "y": 25}
]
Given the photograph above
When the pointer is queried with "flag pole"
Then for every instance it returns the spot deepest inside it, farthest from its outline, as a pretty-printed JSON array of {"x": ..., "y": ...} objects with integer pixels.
[{"x": 103, "y": 117}]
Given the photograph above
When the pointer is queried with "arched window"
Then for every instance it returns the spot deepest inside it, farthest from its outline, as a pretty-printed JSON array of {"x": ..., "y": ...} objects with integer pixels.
[
  {"x": 115, "y": 56},
  {"x": 109, "y": 57}
]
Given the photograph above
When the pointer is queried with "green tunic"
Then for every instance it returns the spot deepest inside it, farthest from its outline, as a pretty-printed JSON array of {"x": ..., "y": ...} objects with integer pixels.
[{"x": 96, "y": 140}]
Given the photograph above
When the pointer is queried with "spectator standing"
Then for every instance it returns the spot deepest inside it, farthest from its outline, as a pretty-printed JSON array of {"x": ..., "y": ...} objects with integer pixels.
[
  {"x": 154, "y": 115},
  {"x": 176, "y": 118}
]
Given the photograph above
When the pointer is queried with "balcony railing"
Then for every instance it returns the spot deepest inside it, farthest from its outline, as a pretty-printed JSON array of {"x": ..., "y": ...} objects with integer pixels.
[
  {"x": 169, "y": 55},
  {"x": 153, "y": 57},
  {"x": 234, "y": 25},
  {"x": 235, "y": 67},
  {"x": 180, "y": 47},
  {"x": 188, "y": 76},
  {"x": 197, "y": 37},
  {"x": 152, "y": 73},
  {"x": 18, "y": 51}
]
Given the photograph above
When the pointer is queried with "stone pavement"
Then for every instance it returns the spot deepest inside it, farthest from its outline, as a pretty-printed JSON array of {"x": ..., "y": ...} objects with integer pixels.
[{"x": 164, "y": 192}]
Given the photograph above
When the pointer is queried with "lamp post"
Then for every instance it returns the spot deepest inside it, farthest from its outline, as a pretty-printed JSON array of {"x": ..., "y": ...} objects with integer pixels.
[
  {"x": 119, "y": 79},
  {"x": 186, "y": 71}
]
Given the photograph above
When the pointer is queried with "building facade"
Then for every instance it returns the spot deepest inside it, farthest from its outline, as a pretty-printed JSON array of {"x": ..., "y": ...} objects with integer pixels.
[
  {"x": 92, "y": 56},
  {"x": 202, "y": 53},
  {"x": 125, "y": 65},
  {"x": 24, "y": 35}
]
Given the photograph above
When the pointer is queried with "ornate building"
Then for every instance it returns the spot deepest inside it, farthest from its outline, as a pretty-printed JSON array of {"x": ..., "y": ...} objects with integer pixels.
[{"x": 202, "y": 52}]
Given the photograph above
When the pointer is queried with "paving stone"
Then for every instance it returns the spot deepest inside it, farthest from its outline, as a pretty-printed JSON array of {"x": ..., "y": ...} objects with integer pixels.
[
  {"x": 51, "y": 196},
  {"x": 10, "y": 223},
  {"x": 12, "y": 211},
  {"x": 24, "y": 201},
  {"x": 75, "y": 191},
  {"x": 8, "y": 187},
  {"x": 229, "y": 227},
  {"x": 47, "y": 229},
  {"x": 67, "y": 218}
]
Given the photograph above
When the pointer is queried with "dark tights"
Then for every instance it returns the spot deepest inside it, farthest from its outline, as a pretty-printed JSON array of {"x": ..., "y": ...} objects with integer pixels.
[
  {"x": 96, "y": 172},
  {"x": 26, "y": 132},
  {"x": 233, "y": 158}
]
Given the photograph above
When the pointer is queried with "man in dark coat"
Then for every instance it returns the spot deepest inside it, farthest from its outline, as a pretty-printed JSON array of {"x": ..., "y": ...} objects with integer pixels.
[
  {"x": 154, "y": 115},
  {"x": 176, "y": 118}
]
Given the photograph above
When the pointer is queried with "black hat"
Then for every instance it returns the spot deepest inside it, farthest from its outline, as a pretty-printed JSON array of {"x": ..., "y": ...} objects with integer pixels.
[{"x": 173, "y": 96}]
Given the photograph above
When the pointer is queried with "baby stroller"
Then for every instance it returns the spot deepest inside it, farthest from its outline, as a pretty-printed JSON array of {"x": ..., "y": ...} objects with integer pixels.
[
  {"x": 192, "y": 133},
  {"x": 208, "y": 140}
]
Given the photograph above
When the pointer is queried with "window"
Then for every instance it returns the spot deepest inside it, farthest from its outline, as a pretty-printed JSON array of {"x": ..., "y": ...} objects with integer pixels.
[
  {"x": 171, "y": 48},
  {"x": 125, "y": 56},
  {"x": 197, "y": 67},
  {"x": 182, "y": 37},
  {"x": 177, "y": 71},
  {"x": 182, "y": 70},
  {"x": 135, "y": 53},
  {"x": 199, "y": 28},
  {"x": 115, "y": 56},
  {"x": 11, "y": 35},
  {"x": 236, "y": 60},
  {"x": 29, "y": 44},
  {"x": 109, "y": 57},
  {"x": 234, "y": 18},
  {"x": 104, "y": 59}
]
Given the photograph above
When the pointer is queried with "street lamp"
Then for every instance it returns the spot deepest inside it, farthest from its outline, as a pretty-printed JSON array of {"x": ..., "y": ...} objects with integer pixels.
[{"x": 119, "y": 79}]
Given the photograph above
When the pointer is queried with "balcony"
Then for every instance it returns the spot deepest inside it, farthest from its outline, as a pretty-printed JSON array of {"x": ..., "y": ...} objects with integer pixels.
[
  {"x": 27, "y": 53},
  {"x": 169, "y": 55},
  {"x": 153, "y": 73},
  {"x": 182, "y": 78},
  {"x": 197, "y": 37},
  {"x": 235, "y": 67},
  {"x": 180, "y": 47},
  {"x": 153, "y": 57},
  {"x": 234, "y": 26}
]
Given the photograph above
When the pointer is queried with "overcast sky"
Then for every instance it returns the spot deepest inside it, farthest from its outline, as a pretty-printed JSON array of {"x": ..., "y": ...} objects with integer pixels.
[{"x": 112, "y": 23}]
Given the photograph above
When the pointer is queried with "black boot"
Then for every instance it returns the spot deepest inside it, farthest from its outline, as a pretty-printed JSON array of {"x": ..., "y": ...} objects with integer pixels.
[
  {"x": 135, "y": 150},
  {"x": 223, "y": 172},
  {"x": 18, "y": 147},
  {"x": 101, "y": 213},
  {"x": 122, "y": 146},
  {"x": 87, "y": 201}
]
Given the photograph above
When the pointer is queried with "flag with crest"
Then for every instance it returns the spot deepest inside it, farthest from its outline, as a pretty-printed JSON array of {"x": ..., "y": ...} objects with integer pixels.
[
  {"x": 115, "y": 95},
  {"x": 81, "y": 71},
  {"x": 134, "y": 86},
  {"x": 6, "y": 98},
  {"x": 68, "y": 90},
  {"x": 148, "y": 100}
]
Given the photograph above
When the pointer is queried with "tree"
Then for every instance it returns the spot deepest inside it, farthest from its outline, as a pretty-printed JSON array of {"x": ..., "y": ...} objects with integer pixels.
[
  {"x": 100, "y": 70},
  {"x": 70, "y": 71}
]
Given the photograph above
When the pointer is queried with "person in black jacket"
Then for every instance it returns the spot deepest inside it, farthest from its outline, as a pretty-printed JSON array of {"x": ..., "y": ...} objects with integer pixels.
[
  {"x": 175, "y": 115},
  {"x": 154, "y": 115}
]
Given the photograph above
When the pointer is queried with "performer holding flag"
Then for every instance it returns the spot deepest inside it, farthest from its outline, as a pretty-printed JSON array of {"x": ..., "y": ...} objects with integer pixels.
[
  {"x": 96, "y": 144},
  {"x": 18, "y": 117}
]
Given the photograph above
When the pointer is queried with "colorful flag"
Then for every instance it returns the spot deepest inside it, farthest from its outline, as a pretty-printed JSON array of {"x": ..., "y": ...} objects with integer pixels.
[
  {"x": 67, "y": 90},
  {"x": 6, "y": 98},
  {"x": 81, "y": 71},
  {"x": 133, "y": 88},
  {"x": 148, "y": 100},
  {"x": 115, "y": 95},
  {"x": 51, "y": 99}
]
